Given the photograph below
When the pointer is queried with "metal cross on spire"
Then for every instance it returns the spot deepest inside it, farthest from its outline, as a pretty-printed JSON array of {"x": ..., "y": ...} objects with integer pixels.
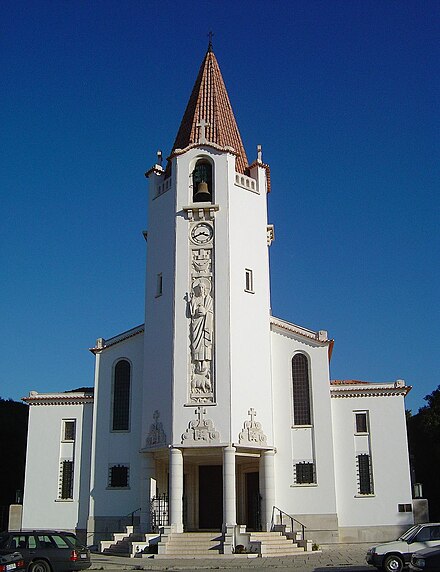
[{"x": 210, "y": 36}]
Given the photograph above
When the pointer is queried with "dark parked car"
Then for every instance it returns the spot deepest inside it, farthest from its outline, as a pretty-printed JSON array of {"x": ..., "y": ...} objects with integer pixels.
[
  {"x": 426, "y": 559},
  {"x": 11, "y": 561},
  {"x": 48, "y": 550}
]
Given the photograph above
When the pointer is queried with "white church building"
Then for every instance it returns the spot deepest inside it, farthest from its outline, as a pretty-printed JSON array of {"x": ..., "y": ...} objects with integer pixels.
[{"x": 215, "y": 415}]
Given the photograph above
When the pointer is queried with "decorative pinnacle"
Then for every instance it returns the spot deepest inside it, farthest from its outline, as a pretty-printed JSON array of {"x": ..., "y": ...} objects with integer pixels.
[{"x": 210, "y": 35}]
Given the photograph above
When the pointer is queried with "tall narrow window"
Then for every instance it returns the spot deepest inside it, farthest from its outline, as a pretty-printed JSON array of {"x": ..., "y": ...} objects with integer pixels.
[
  {"x": 361, "y": 422},
  {"x": 121, "y": 396},
  {"x": 248, "y": 280},
  {"x": 66, "y": 484},
  {"x": 159, "y": 284},
  {"x": 364, "y": 473},
  {"x": 301, "y": 390},
  {"x": 202, "y": 182}
]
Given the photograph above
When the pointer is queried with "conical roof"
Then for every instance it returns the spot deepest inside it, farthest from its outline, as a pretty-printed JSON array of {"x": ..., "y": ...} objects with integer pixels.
[{"x": 208, "y": 117}]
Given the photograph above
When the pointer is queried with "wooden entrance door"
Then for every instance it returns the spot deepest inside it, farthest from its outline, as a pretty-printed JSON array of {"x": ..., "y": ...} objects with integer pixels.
[
  {"x": 210, "y": 497},
  {"x": 253, "y": 518}
]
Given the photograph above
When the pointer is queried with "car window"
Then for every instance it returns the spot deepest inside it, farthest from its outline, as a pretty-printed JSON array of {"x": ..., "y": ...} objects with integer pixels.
[
  {"x": 74, "y": 541},
  {"x": 435, "y": 533},
  {"x": 423, "y": 535},
  {"x": 22, "y": 541},
  {"x": 60, "y": 542},
  {"x": 45, "y": 541},
  {"x": 406, "y": 535}
]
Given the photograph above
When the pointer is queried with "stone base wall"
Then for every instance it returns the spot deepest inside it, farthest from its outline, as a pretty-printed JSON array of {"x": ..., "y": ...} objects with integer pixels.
[
  {"x": 102, "y": 527},
  {"x": 320, "y": 528},
  {"x": 373, "y": 534}
]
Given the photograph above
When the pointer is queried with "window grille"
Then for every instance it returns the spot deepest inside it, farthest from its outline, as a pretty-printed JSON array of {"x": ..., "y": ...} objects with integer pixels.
[
  {"x": 304, "y": 473},
  {"x": 66, "y": 491},
  {"x": 365, "y": 474},
  {"x": 121, "y": 397},
  {"x": 301, "y": 390},
  {"x": 118, "y": 476}
]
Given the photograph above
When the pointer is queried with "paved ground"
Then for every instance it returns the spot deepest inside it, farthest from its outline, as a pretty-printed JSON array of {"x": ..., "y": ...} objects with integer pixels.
[{"x": 334, "y": 557}]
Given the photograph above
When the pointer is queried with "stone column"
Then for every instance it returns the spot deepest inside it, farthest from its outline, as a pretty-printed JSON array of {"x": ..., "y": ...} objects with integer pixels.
[
  {"x": 267, "y": 469},
  {"x": 148, "y": 472},
  {"x": 229, "y": 495},
  {"x": 176, "y": 490}
]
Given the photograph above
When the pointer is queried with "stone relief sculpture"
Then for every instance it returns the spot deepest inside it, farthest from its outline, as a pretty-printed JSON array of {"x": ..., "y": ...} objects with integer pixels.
[
  {"x": 201, "y": 313},
  {"x": 252, "y": 433},
  {"x": 156, "y": 434},
  {"x": 201, "y": 431}
]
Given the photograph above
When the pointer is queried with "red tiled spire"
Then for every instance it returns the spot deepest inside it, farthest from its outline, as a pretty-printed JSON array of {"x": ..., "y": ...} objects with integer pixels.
[{"x": 209, "y": 104}]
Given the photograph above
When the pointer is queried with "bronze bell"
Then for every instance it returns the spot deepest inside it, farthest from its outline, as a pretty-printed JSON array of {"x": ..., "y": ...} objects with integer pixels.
[{"x": 202, "y": 193}]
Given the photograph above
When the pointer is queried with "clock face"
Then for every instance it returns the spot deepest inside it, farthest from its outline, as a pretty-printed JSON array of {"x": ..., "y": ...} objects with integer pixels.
[{"x": 202, "y": 233}]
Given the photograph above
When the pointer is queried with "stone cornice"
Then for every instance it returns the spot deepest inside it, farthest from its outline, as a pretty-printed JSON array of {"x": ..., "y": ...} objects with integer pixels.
[
  {"x": 370, "y": 390},
  {"x": 35, "y": 398},
  {"x": 320, "y": 337},
  {"x": 102, "y": 344}
]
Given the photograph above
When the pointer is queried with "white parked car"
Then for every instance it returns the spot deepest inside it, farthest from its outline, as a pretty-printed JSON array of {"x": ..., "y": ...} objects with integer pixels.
[{"x": 395, "y": 555}]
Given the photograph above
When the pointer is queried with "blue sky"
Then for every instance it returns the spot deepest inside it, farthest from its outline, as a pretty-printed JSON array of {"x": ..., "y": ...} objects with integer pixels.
[{"x": 342, "y": 95}]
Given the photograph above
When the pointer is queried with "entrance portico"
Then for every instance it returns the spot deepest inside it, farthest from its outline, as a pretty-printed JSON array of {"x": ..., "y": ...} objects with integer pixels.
[{"x": 213, "y": 488}]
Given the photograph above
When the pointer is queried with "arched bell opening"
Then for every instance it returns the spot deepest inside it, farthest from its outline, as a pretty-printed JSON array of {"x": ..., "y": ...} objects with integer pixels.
[{"x": 202, "y": 182}]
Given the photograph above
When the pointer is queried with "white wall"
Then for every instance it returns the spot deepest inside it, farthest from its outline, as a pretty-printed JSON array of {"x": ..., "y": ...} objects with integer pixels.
[
  {"x": 290, "y": 441},
  {"x": 389, "y": 452},
  {"x": 116, "y": 447},
  {"x": 41, "y": 506}
]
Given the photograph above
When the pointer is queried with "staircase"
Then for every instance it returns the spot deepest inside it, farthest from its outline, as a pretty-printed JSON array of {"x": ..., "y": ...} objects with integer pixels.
[
  {"x": 273, "y": 544},
  {"x": 128, "y": 543},
  {"x": 191, "y": 545}
]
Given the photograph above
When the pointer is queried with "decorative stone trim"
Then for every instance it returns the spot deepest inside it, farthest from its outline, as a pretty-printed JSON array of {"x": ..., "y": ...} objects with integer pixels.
[
  {"x": 320, "y": 336},
  {"x": 252, "y": 433},
  {"x": 58, "y": 398},
  {"x": 370, "y": 390},
  {"x": 201, "y": 431},
  {"x": 156, "y": 436},
  {"x": 102, "y": 344}
]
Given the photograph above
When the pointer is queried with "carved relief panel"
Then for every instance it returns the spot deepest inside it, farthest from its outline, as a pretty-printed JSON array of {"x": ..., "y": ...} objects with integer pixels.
[{"x": 201, "y": 311}]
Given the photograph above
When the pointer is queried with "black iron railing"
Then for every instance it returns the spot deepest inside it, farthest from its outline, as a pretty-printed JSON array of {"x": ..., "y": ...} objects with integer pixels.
[{"x": 281, "y": 513}]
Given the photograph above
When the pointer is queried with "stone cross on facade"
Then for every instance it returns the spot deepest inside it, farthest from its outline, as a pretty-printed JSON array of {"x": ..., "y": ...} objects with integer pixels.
[
  {"x": 200, "y": 412},
  {"x": 252, "y": 414},
  {"x": 203, "y": 125}
]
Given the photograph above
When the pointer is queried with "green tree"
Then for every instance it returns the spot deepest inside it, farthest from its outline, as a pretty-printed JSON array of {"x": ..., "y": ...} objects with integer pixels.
[
  {"x": 424, "y": 445},
  {"x": 13, "y": 437}
]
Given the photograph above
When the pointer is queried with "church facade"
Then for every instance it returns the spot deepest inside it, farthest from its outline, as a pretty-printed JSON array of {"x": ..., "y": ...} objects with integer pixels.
[{"x": 214, "y": 413}]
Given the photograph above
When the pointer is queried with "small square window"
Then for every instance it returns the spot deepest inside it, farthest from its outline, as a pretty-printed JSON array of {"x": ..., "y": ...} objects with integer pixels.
[
  {"x": 118, "y": 476},
  {"x": 304, "y": 473},
  {"x": 69, "y": 431},
  {"x": 248, "y": 280},
  {"x": 405, "y": 507}
]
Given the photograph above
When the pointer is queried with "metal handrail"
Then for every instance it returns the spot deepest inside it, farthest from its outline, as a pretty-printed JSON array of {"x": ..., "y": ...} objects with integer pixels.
[
  {"x": 292, "y": 520},
  {"x": 132, "y": 515}
]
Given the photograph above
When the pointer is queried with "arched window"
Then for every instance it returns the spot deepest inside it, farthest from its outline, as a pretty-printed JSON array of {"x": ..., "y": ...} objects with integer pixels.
[
  {"x": 121, "y": 396},
  {"x": 301, "y": 390},
  {"x": 202, "y": 182}
]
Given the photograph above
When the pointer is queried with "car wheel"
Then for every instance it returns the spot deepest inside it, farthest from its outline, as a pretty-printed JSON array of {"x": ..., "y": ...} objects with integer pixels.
[
  {"x": 393, "y": 563},
  {"x": 39, "y": 566}
]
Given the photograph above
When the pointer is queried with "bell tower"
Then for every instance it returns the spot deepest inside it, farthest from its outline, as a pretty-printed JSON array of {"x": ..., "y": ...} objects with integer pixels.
[{"x": 207, "y": 332}]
